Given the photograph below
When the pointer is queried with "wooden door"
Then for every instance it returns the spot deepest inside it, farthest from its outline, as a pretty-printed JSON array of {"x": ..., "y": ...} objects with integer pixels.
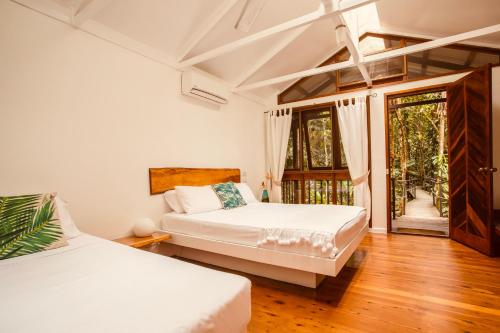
[{"x": 470, "y": 160}]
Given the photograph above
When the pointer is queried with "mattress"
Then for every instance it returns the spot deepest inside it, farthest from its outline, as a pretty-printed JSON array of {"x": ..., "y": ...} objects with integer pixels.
[
  {"x": 315, "y": 230},
  {"x": 94, "y": 285}
]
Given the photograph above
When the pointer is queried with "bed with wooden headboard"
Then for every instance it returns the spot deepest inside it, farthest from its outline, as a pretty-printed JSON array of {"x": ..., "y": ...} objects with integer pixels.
[{"x": 291, "y": 267}]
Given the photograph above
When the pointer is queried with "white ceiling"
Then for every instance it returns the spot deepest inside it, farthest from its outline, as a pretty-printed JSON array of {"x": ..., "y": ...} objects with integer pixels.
[{"x": 166, "y": 25}]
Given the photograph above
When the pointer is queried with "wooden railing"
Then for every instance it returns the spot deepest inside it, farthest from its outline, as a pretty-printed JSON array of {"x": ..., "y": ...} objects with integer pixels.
[
  {"x": 399, "y": 201},
  {"x": 439, "y": 191},
  {"x": 321, "y": 187}
]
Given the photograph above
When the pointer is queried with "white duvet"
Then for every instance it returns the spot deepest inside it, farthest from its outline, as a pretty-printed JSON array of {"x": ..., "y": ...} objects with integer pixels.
[
  {"x": 319, "y": 230},
  {"x": 94, "y": 285}
]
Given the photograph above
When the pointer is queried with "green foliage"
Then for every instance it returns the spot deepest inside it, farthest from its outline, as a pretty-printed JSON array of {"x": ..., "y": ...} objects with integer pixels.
[
  {"x": 26, "y": 225},
  {"x": 418, "y": 149}
]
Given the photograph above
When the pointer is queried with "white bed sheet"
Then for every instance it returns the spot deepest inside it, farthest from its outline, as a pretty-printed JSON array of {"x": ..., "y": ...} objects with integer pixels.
[
  {"x": 252, "y": 224},
  {"x": 95, "y": 285}
]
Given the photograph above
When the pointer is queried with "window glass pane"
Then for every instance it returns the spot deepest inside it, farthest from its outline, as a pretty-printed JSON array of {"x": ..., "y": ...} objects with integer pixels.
[
  {"x": 445, "y": 60},
  {"x": 305, "y": 164},
  {"x": 372, "y": 44},
  {"x": 345, "y": 194},
  {"x": 385, "y": 68},
  {"x": 343, "y": 161},
  {"x": 292, "y": 156},
  {"x": 320, "y": 84},
  {"x": 319, "y": 128},
  {"x": 349, "y": 75},
  {"x": 292, "y": 95}
]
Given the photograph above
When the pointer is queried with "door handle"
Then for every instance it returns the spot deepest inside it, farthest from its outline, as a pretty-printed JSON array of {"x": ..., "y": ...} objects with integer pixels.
[
  {"x": 493, "y": 170},
  {"x": 482, "y": 170}
]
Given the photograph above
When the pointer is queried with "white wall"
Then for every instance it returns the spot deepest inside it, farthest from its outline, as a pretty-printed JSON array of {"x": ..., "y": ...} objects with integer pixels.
[
  {"x": 86, "y": 118},
  {"x": 378, "y": 167}
]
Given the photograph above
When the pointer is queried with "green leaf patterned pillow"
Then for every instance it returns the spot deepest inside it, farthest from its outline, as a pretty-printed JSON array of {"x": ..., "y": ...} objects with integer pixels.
[
  {"x": 229, "y": 195},
  {"x": 29, "y": 224}
]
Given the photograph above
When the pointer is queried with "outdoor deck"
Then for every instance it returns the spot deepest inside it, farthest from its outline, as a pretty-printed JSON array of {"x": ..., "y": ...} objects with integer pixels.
[{"x": 421, "y": 217}]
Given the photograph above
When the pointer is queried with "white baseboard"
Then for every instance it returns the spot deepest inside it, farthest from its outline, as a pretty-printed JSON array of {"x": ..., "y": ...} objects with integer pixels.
[{"x": 378, "y": 230}]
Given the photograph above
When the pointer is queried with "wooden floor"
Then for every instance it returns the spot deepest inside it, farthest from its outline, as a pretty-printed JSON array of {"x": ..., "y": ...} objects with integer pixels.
[{"x": 393, "y": 283}]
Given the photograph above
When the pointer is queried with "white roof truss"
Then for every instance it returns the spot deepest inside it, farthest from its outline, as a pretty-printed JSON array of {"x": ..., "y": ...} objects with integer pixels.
[
  {"x": 205, "y": 28},
  {"x": 284, "y": 42},
  {"x": 440, "y": 42},
  {"x": 319, "y": 14},
  {"x": 85, "y": 13},
  {"x": 351, "y": 40}
]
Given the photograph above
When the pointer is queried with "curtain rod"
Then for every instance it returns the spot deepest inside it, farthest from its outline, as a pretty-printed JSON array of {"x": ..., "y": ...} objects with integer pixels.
[{"x": 283, "y": 106}]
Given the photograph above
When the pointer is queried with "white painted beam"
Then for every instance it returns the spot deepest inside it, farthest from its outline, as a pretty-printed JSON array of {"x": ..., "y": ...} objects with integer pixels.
[
  {"x": 352, "y": 44},
  {"x": 249, "y": 14},
  {"x": 319, "y": 14},
  {"x": 377, "y": 57},
  {"x": 210, "y": 22},
  {"x": 266, "y": 57},
  {"x": 297, "y": 75},
  {"x": 87, "y": 12},
  {"x": 440, "y": 42}
]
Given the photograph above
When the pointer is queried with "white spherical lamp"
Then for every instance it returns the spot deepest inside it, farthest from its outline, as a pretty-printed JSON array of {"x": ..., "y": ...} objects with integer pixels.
[{"x": 144, "y": 227}]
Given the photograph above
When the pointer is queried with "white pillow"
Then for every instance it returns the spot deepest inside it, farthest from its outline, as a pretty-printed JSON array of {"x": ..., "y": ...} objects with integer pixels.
[
  {"x": 246, "y": 193},
  {"x": 67, "y": 224},
  {"x": 173, "y": 201},
  {"x": 197, "y": 199}
]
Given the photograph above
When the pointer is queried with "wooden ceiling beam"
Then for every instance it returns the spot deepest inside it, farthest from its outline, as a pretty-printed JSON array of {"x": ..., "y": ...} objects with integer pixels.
[
  {"x": 425, "y": 59},
  {"x": 470, "y": 58},
  {"x": 319, "y": 14},
  {"x": 301, "y": 90},
  {"x": 436, "y": 63},
  {"x": 321, "y": 86},
  {"x": 440, "y": 42},
  {"x": 207, "y": 26}
]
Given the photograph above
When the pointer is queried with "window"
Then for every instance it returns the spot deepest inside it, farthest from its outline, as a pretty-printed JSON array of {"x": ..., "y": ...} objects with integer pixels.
[
  {"x": 316, "y": 170},
  {"x": 444, "y": 60},
  {"x": 439, "y": 61}
]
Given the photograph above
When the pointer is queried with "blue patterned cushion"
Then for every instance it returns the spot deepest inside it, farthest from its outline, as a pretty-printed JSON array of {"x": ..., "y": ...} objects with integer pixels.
[{"x": 229, "y": 195}]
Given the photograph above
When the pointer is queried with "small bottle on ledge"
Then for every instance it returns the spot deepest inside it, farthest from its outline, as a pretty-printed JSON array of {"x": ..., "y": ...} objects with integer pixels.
[{"x": 265, "y": 193}]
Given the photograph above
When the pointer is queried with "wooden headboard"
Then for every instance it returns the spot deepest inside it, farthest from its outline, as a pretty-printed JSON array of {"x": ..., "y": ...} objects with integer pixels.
[{"x": 164, "y": 179}]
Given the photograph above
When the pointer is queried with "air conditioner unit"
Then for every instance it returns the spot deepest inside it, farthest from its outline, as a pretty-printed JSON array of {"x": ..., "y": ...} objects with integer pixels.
[{"x": 201, "y": 85}]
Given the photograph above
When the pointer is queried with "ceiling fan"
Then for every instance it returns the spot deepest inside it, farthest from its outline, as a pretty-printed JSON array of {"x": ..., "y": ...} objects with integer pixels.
[{"x": 251, "y": 10}]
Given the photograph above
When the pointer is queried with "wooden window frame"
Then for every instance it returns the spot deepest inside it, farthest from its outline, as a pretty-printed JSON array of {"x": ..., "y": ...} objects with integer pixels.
[
  {"x": 388, "y": 80},
  {"x": 334, "y": 174},
  {"x": 303, "y": 118}
]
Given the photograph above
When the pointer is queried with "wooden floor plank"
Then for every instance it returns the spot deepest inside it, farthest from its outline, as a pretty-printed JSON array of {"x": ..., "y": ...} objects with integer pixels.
[{"x": 393, "y": 283}]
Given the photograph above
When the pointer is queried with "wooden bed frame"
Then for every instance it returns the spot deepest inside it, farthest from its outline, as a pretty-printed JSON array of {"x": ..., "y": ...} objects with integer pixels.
[{"x": 294, "y": 268}]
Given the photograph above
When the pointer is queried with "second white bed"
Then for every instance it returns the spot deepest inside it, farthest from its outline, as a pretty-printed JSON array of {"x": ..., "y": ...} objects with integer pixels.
[
  {"x": 94, "y": 285},
  {"x": 314, "y": 230}
]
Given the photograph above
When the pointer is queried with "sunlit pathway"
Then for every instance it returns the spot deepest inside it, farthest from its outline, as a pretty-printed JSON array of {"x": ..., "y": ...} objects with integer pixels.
[
  {"x": 421, "y": 206},
  {"x": 421, "y": 215}
]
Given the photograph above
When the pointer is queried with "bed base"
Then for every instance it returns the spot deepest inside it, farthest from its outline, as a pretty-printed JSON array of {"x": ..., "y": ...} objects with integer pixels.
[{"x": 294, "y": 268}]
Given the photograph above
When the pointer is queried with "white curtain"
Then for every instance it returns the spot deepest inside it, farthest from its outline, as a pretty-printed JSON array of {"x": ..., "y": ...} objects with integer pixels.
[
  {"x": 353, "y": 125},
  {"x": 278, "y": 123}
]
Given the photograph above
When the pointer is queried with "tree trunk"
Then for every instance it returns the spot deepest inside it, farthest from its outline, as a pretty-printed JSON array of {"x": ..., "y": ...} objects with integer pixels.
[
  {"x": 403, "y": 158},
  {"x": 325, "y": 142},
  {"x": 439, "y": 177}
]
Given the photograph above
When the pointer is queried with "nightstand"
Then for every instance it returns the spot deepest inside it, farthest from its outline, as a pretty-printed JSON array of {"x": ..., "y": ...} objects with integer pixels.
[{"x": 141, "y": 242}]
